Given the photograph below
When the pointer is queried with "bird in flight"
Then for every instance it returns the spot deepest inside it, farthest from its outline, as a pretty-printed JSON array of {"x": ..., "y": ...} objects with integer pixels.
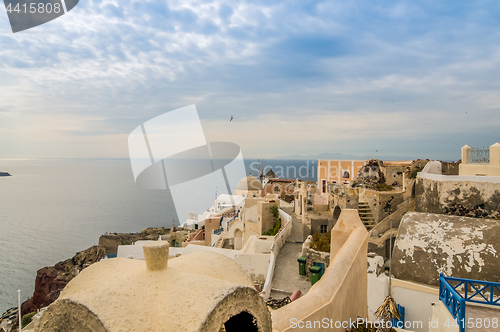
[{"x": 231, "y": 119}]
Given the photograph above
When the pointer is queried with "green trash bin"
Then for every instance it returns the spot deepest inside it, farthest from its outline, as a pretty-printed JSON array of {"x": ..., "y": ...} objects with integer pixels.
[
  {"x": 302, "y": 265},
  {"x": 315, "y": 273}
]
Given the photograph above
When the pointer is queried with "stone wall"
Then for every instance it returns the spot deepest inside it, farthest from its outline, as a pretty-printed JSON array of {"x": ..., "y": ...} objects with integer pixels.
[
  {"x": 316, "y": 224},
  {"x": 394, "y": 174},
  {"x": 378, "y": 200},
  {"x": 451, "y": 168},
  {"x": 380, "y": 235},
  {"x": 468, "y": 196}
]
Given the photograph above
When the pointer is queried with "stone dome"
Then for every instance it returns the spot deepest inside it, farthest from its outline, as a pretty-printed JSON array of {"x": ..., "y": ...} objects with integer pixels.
[
  {"x": 249, "y": 183},
  {"x": 196, "y": 292}
]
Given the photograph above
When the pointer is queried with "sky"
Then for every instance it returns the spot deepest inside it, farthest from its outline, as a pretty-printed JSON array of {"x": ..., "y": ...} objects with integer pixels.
[{"x": 418, "y": 79}]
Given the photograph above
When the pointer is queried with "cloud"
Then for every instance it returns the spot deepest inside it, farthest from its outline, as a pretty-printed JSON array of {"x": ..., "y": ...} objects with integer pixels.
[{"x": 301, "y": 65}]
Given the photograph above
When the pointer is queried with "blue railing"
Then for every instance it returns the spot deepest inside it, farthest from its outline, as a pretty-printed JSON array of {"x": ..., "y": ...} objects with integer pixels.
[
  {"x": 452, "y": 300},
  {"x": 399, "y": 323},
  {"x": 475, "y": 291}
]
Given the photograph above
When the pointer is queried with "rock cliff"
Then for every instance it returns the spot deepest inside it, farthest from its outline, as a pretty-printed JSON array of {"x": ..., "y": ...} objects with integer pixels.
[
  {"x": 111, "y": 241},
  {"x": 51, "y": 280}
]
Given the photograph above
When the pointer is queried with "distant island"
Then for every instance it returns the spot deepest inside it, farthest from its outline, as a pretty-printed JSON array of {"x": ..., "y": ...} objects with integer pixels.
[
  {"x": 4, "y": 174},
  {"x": 341, "y": 156}
]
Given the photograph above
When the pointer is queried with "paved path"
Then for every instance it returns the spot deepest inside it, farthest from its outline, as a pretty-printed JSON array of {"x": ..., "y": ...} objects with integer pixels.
[
  {"x": 297, "y": 227},
  {"x": 286, "y": 271}
]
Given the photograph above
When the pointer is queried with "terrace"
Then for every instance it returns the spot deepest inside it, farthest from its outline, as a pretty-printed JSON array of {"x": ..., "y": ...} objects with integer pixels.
[{"x": 473, "y": 304}]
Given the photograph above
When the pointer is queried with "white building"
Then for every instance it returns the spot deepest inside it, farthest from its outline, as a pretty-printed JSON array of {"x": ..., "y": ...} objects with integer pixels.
[{"x": 224, "y": 201}]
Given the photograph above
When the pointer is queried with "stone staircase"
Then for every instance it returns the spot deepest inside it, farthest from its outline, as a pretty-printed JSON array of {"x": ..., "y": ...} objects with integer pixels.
[{"x": 365, "y": 214}]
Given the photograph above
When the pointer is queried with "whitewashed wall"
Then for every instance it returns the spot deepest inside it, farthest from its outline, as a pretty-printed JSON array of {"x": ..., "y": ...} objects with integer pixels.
[
  {"x": 279, "y": 242},
  {"x": 255, "y": 265},
  {"x": 416, "y": 299}
]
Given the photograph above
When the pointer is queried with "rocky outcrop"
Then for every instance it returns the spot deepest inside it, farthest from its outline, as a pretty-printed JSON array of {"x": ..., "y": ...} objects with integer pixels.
[
  {"x": 51, "y": 280},
  {"x": 370, "y": 175},
  {"x": 111, "y": 241}
]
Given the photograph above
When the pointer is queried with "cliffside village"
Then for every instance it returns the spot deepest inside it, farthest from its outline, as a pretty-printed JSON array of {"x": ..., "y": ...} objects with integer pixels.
[{"x": 286, "y": 254}]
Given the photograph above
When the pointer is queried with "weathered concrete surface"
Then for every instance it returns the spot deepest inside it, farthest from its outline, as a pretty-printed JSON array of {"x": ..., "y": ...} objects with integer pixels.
[
  {"x": 429, "y": 244},
  {"x": 462, "y": 198},
  {"x": 482, "y": 316}
]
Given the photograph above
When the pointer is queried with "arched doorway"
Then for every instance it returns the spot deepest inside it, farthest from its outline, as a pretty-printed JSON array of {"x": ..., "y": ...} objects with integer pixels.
[{"x": 238, "y": 239}]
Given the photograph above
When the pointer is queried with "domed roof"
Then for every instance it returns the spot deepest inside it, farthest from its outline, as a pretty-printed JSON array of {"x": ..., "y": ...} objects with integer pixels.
[
  {"x": 249, "y": 183},
  {"x": 126, "y": 305}
]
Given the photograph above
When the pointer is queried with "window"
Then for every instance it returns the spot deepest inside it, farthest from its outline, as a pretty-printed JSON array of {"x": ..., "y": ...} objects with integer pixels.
[{"x": 323, "y": 228}]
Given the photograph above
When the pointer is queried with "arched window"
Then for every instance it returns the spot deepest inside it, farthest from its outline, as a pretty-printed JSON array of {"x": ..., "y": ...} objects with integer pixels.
[{"x": 242, "y": 322}]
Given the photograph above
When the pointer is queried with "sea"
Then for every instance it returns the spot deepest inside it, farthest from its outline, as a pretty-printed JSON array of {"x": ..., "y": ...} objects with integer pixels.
[{"x": 52, "y": 208}]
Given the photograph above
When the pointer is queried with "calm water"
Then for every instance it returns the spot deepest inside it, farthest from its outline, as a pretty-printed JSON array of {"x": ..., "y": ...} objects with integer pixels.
[{"x": 51, "y": 209}]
